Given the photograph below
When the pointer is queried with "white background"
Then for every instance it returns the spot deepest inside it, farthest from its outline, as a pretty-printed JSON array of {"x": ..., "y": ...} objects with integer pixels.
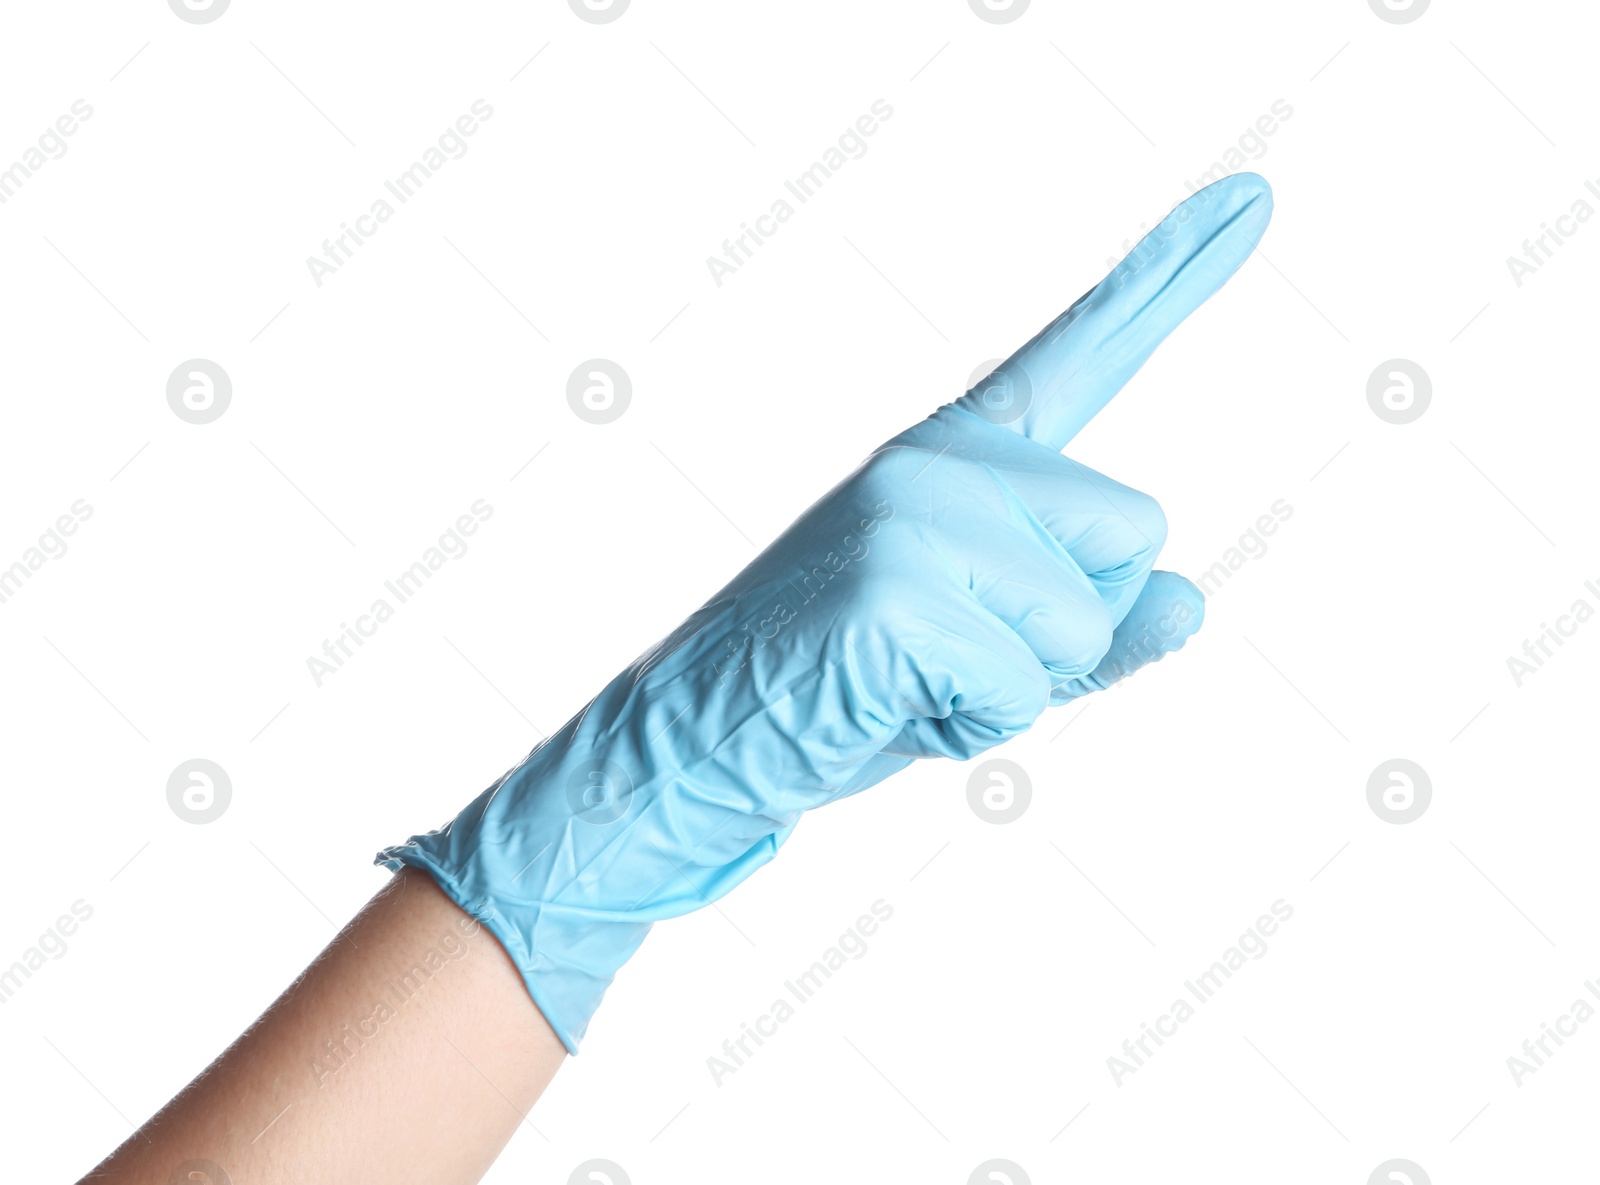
[{"x": 370, "y": 412}]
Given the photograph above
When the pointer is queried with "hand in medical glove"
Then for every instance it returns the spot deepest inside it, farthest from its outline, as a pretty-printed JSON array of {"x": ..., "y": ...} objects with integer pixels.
[{"x": 930, "y": 605}]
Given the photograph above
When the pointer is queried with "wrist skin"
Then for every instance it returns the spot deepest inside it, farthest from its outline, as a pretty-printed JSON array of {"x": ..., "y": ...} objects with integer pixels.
[{"x": 408, "y": 1051}]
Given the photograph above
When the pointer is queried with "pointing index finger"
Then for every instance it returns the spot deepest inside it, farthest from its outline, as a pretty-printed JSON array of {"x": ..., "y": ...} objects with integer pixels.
[{"x": 1050, "y": 388}]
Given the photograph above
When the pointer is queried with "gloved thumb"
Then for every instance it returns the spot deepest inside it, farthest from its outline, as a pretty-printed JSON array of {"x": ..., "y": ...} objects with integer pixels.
[{"x": 1165, "y": 615}]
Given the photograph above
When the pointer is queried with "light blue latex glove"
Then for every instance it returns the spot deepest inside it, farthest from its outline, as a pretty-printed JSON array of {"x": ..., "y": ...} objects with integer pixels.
[{"x": 930, "y": 605}]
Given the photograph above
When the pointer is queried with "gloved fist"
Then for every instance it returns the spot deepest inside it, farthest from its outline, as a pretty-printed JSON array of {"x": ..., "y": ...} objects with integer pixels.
[{"x": 930, "y": 605}]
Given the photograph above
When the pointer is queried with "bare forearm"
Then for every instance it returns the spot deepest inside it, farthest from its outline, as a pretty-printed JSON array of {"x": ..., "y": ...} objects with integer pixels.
[{"x": 409, "y": 1051}]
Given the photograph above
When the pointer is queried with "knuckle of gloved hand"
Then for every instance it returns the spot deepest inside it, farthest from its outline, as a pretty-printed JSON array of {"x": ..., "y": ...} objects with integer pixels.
[
  {"x": 879, "y": 602},
  {"x": 978, "y": 736},
  {"x": 1086, "y": 642},
  {"x": 1148, "y": 519},
  {"x": 972, "y": 745},
  {"x": 903, "y": 473},
  {"x": 1028, "y": 716},
  {"x": 1024, "y": 697},
  {"x": 886, "y": 475}
]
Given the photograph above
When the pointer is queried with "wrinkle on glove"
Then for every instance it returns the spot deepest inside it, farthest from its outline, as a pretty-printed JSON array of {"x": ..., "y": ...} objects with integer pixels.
[{"x": 932, "y": 604}]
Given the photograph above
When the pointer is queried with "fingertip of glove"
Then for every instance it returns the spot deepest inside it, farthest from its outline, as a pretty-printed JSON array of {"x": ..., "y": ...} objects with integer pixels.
[
  {"x": 1178, "y": 604},
  {"x": 1245, "y": 191},
  {"x": 1237, "y": 208}
]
